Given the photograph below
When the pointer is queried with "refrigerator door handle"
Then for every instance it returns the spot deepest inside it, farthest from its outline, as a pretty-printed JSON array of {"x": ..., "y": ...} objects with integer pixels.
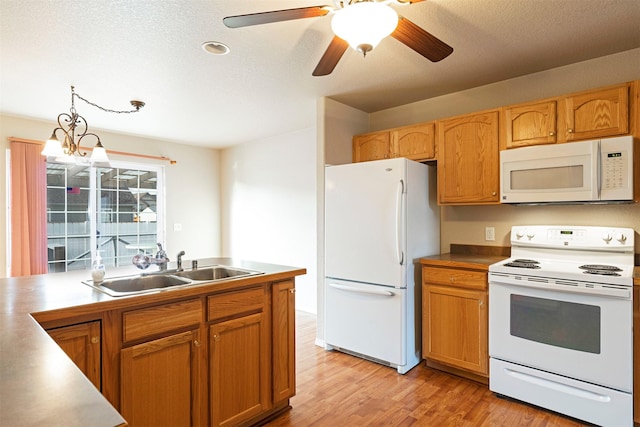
[
  {"x": 400, "y": 191},
  {"x": 361, "y": 290}
]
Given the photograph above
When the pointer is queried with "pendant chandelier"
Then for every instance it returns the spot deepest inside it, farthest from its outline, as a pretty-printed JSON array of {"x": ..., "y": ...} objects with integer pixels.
[{"x": 74, "y": 129}]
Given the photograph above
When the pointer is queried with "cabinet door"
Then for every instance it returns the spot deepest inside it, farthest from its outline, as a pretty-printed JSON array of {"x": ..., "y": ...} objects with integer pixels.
[
  {"x": 239, "y": 370},
  {"x": 530, "y": 124},
  {"x": 414, "y": 142},
  {"x": 284, "y": 341},
  {"x": 455, "y": 328},
  {"x": 595, "y": 114},
  {"x": 160, "y": 381},
  {"x": 82, "y": 343},
  {"x": 468, "y": 166},
  {"x": 371, "y": 146}
]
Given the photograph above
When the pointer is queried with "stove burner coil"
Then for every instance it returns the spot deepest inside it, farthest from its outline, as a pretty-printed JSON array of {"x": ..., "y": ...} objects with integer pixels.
[
  {"x": 601, "y": 267},
  {"x": 523, "y": 263},
  {"x": 601, "y": 272}
]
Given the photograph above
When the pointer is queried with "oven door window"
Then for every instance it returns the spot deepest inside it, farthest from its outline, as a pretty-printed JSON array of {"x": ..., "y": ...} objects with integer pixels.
[{"x": 559, "y": 323}]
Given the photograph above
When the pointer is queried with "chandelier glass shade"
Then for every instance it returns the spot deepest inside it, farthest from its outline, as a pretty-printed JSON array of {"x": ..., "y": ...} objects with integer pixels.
[
  {"x": 73, "y": 128},
  {"x": 364, "y": 24}
]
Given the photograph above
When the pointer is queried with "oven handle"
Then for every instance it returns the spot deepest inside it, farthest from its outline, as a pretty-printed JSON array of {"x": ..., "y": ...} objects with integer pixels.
[
  {"x": 601, "y": 290},
  {"x": 361, "y": 290}
]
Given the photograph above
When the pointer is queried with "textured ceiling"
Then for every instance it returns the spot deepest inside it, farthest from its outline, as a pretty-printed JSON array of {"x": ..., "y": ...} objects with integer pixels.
[{"x": 117, "y": 50}]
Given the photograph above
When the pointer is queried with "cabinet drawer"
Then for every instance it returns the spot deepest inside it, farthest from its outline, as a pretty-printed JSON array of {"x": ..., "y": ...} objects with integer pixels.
[
  {"x": 159, "y": 319},
  {"x": 458, "y": 277},
  {"x": 232, "y": 303}
]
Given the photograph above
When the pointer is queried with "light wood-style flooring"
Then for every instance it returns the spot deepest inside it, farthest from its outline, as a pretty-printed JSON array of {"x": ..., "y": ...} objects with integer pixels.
[{"x": 335, "y": 389}]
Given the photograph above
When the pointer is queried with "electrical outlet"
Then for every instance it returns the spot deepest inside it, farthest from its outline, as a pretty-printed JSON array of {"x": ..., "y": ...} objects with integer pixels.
[{"x": 490, "y": 234}]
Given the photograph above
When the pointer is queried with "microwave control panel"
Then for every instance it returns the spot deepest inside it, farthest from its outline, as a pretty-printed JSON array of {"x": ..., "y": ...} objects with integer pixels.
[{"x": 615, "y": 166}]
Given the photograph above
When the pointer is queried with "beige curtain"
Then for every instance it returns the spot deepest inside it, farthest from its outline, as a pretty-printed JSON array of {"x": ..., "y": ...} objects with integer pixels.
[{"x": 28, "y": 209}]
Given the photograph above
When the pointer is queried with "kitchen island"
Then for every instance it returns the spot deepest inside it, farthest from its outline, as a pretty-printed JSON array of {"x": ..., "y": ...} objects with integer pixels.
[{"x": 40, "y": 385}]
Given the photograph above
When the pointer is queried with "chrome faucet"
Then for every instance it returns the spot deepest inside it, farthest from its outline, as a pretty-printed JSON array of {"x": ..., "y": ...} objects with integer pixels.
[{"x": 179, "y": 260}]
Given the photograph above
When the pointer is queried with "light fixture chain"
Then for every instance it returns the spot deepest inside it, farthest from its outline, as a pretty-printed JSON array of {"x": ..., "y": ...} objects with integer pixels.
[{"x": 108, "y": 110}]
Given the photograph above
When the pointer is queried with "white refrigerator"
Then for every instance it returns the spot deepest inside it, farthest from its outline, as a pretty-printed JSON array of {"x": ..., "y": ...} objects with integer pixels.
[{"x": 380, "y": 216}]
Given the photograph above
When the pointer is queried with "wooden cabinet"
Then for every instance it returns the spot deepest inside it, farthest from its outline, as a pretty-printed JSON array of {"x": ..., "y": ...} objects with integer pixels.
[
  {"x": 161, "y": 381},
  {"x": 371, "y": 146},
  {"x": 455, "y": 319},
  {"x": 161, "y": 377},
  {"x": 83, "y": 344},
  {"x": 591, "y": 114},
  {"x": 416, "y": 142},
  {"x": 530, "y": 124},
  {"x": 594, "y": 114},
  {"x": 468, "y": 159},
  {"x": 284, "y": 340},
  {"x": 239, "y": 362}
]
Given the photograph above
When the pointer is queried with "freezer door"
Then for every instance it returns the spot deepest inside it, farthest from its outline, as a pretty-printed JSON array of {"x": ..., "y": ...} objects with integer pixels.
[
  {"x": 365, "y": 222},
  {"x": 366, "y": 319}
]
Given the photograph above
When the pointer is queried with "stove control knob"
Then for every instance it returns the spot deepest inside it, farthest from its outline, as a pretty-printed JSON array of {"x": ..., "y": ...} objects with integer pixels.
[
  {"x": 621, "y": 237},
  {"x": 530, "y": 234},
  {"x": 519, "y": 234},
  {"x": 606, "y": 237}
]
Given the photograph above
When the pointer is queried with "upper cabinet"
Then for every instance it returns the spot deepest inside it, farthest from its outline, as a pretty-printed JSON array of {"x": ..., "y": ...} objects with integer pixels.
[
  {"x": 592, "y": 114},
  {"x": 371, "y": 146},
  {"x": 595, "y": 114},
  {"x": 468, "y": 155},
  {"x": 415, "y": 142},
  {"x": 530, "y": 124}
]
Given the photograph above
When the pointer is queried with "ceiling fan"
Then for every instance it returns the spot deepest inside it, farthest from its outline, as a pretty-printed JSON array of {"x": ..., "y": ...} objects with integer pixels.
[{"x": 360, "y": 24}]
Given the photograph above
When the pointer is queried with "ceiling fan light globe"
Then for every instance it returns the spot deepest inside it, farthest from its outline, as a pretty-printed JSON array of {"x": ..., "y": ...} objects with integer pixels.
[{"x": 364, "y": 24}]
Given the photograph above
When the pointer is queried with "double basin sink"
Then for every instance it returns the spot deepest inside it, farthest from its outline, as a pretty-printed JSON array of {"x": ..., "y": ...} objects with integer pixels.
[{"x": 168, "y": 279}]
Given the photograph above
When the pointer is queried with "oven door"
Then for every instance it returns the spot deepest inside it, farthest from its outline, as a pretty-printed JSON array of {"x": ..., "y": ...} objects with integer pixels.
[{"x": 577, "y": 334}]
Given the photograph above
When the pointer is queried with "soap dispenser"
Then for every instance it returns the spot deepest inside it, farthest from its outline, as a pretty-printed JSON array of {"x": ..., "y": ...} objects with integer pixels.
[{"x": 97, "y": 269}]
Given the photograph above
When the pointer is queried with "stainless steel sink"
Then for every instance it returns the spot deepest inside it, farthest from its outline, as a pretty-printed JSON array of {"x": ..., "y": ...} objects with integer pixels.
[
  {"x": 217, "y": 272},
  {"x": 158, "y": 281}
]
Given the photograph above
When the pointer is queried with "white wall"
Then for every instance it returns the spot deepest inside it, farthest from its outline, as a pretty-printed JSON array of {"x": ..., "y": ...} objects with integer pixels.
[
  {"x": 192, "y": 185},
  {"x": 269, "y": 205}
]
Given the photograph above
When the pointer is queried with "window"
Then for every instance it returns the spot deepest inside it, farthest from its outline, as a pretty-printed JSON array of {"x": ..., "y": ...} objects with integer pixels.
[{"x": 116, "y": 210}]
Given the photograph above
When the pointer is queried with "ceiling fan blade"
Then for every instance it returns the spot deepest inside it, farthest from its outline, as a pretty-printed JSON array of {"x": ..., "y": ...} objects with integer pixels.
[
  {"x": 275, "y": 16},
  {"x": 331, "y": 57},
  {"x": 421, "y": 41}
]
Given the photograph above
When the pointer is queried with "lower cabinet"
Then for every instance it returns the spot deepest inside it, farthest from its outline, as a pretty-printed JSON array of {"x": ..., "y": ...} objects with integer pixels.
[
  {"x": 284, "y": 340},
  {"x": 239, "y": 372},
  {"x": 239, "y": 356},
  {"x": 83, "y": 344},
  {"x": 455, "y": 319},
  {"x": 160, "y": 381}
]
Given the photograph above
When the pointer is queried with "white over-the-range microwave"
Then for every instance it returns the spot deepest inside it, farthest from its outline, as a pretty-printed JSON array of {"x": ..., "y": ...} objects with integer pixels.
[{"x": 604, "y": 170}]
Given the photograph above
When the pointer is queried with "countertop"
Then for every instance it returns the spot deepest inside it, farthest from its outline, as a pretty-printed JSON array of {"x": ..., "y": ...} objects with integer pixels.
[{"x": 39, "y": 384}]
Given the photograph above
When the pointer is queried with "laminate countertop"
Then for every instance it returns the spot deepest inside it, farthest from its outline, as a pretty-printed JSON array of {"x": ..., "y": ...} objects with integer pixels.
[{"x": 39, "y": 384}]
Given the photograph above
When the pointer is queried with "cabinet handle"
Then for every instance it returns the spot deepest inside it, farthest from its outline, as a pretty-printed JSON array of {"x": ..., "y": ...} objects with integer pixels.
[
  {"x": 196, "y": 343},
  {"x": 481, "y": 303},
  {"x": 493, "y": 193},
  {"x": 95, "y": 340},
  {"x": 552, "y": 133},
  {"x": 570, "y": 130},
  {"x": 216, "y": 337},
  {"x": 292, "y": 290}
]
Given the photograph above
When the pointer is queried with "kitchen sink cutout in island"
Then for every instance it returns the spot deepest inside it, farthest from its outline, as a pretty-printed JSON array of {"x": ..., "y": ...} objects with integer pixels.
[{"x": 168, "y": 355}]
